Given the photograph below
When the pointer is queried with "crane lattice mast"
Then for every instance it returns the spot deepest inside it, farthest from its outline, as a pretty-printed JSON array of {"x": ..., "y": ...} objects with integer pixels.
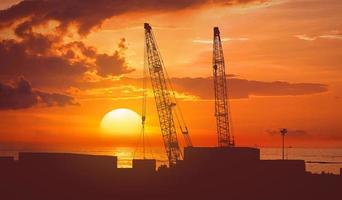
[
  {"x": 162, "y": 97},
  {"x": 224, "y": 135}
]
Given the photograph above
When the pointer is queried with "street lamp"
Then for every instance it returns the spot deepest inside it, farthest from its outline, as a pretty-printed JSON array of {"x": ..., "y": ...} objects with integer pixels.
[{"x": 283, "y": 132}]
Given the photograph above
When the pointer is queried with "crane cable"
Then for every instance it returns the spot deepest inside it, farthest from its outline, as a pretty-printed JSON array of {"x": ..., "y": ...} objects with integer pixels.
[
  {"x": 180, "y": 119},
  {"x": 143, "y": 109}
]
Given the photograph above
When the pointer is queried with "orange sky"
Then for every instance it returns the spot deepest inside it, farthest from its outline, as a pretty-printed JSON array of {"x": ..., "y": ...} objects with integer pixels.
[{"x": 284, "y": 57}]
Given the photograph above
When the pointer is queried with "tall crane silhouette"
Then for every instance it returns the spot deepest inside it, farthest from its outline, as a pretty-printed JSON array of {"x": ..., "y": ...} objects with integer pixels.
[
  {"x": 166, "y": 102},
  {"x": 222, "y": 113}
]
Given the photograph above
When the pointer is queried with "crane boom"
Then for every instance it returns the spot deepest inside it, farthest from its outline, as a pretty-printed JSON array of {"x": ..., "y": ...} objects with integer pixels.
[
  {"x": 224, "y": 136},
  {"x": 162, "y": 97}
]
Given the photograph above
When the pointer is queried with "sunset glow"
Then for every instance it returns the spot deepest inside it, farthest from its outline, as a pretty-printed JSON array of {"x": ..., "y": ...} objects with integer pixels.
[
  {"x": 283, "y": 60},
  {"x": 171, "y": 99}
]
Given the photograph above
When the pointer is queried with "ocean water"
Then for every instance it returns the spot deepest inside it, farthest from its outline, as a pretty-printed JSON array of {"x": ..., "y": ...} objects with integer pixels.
[{"x": 317, "y": 160}]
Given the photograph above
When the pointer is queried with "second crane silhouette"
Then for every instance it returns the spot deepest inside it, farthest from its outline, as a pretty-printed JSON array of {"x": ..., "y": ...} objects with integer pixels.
[{"x": 222, "y": 114}]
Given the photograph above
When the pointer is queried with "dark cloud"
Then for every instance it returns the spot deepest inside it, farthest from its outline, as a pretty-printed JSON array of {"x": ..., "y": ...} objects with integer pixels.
[
  {"x": 46, "y": 61},
  {"x": 32, "y": 58},
  {"x": 88, "y": 14},
  {"x": 115, "y": 64},
  {"x": 290, "y": 133},
  {"x": 111, "y": 65},
  {"x": 242, "y": 88},
  {"x": 21, "y": 95},
  {"x": 44, "y": 57},
  {"x": 203, "y": 87}
]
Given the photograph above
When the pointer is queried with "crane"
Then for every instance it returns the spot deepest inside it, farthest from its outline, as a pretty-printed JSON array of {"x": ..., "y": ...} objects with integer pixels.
[
  {"x": 165, "y": 100},
  {"x": 222, "y": 114}
]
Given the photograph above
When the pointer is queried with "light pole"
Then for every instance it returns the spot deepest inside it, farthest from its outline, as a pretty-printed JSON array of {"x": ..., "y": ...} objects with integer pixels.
[{"x": 283, "y": 132}]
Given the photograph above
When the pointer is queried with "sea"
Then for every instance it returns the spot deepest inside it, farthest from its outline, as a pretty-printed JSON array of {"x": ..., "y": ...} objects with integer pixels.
[{"x": 317, "y": 160}]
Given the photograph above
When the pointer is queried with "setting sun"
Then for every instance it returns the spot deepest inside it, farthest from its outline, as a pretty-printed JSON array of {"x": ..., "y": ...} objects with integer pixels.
[{"x": 121, "y": 121}]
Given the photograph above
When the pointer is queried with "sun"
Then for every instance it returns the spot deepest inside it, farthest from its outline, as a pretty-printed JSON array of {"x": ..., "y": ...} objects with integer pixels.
[{"x": 121, "y": 121}]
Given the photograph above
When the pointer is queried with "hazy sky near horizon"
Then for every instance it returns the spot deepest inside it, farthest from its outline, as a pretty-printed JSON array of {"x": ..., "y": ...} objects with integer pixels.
[{"x": 65, "y": 63}]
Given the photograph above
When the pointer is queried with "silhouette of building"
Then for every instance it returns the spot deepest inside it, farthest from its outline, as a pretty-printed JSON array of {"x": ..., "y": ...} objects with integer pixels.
[
  {"x": 7, "y": 164},
  {"x": 146, "y": 165},
  {"x": 6, "y": 161},
  {"x": 205, "y": 173}
]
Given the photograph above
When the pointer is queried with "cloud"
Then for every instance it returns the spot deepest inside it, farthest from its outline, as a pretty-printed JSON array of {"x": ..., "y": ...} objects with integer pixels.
[
  {"x": 33, "y": 58},
  {"x": 21, "y": 95},
  {"x": 290, "y": 133},
  {"x": 115, "y": 64},
  {"x": 201, "y": 41},
  {"x": 111, "y": 65},
  {"x": 305, "y": 37},
  {"x": 202, "y": 88},
  {"x": 39, "y": 49},
  {"x": 46, "y": 61},
  {"x": 332, "y": 35},
  {"x": 90, "y": 14},
  {"x": 242, "y": 88}
]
